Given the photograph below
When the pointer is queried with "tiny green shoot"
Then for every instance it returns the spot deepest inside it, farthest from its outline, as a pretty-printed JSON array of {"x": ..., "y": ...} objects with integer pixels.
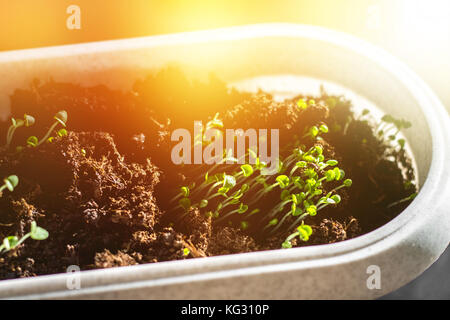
[
  {"x": 36, "y": 233},
  {"x": 9, "y": 183}
]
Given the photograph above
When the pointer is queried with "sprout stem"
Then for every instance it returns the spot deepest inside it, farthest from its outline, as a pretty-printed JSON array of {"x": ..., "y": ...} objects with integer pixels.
[
  {"x": 408, "y": 198},
  {"x": 281, "y": 222},
  {"x": 47, "y": 135},
  {"x": 12, "y": 129},
  {"x": 299, "y": 219}
]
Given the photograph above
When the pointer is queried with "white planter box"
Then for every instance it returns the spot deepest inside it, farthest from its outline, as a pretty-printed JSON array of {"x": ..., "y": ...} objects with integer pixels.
[{"x": 402, "y": 249}]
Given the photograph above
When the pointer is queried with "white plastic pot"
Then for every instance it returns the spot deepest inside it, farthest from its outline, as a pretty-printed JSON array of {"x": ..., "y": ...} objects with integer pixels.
[{"x": 402, "y": 249}]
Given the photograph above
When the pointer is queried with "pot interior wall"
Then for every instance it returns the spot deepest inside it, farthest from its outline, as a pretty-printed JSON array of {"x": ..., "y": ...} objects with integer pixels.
[{"x": 119, "y": 64}]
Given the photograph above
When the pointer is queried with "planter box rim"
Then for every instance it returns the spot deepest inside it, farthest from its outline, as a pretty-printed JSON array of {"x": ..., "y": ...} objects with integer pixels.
[{"x": 220, "y": 267}]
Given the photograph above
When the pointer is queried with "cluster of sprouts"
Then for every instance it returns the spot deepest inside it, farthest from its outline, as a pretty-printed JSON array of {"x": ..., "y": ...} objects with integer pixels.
[
  {"x": 11, "y": 182},
  {"x": 28, "y": 121},
  {"x": 305, "y": 183},
  {"x": 388, "y": 131}
]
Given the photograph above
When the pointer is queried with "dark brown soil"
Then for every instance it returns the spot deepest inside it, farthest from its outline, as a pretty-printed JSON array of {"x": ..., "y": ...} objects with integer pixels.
[{"x": 103, "y": 191}]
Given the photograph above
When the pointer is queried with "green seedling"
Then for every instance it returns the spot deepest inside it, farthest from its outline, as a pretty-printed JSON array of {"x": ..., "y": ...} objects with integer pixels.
[
  {"x": 215, "y": 123},
  {"x": 388, "y": 130},
  {"x": 203, "y": 203},
  {"x": 302, "y": 104},
  {"x": 303, "y": 232},
  {"x": 314, "y": 132},
  {"x": 247, "y": 170},
  {"x": 184, "y": 193},
  {"x": 62, "y": 132},
  {"x": 306, "y": 183},
  {"x": 390, "y": 127},
  {"x": 60, "y": 119},
  {"x": 240, "y": 210},
  {"x": 36, "y": 233},
  {"x": 348, "y": 121},
  {"x": 9, "y": 183},
  {"x": 185, "y": 203},
  {"x": 27, "y": 121},
  {"x": 244, "y": 225},
  {"x": 406, "y": 199},
  {"x": 32, "y": 141}
]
